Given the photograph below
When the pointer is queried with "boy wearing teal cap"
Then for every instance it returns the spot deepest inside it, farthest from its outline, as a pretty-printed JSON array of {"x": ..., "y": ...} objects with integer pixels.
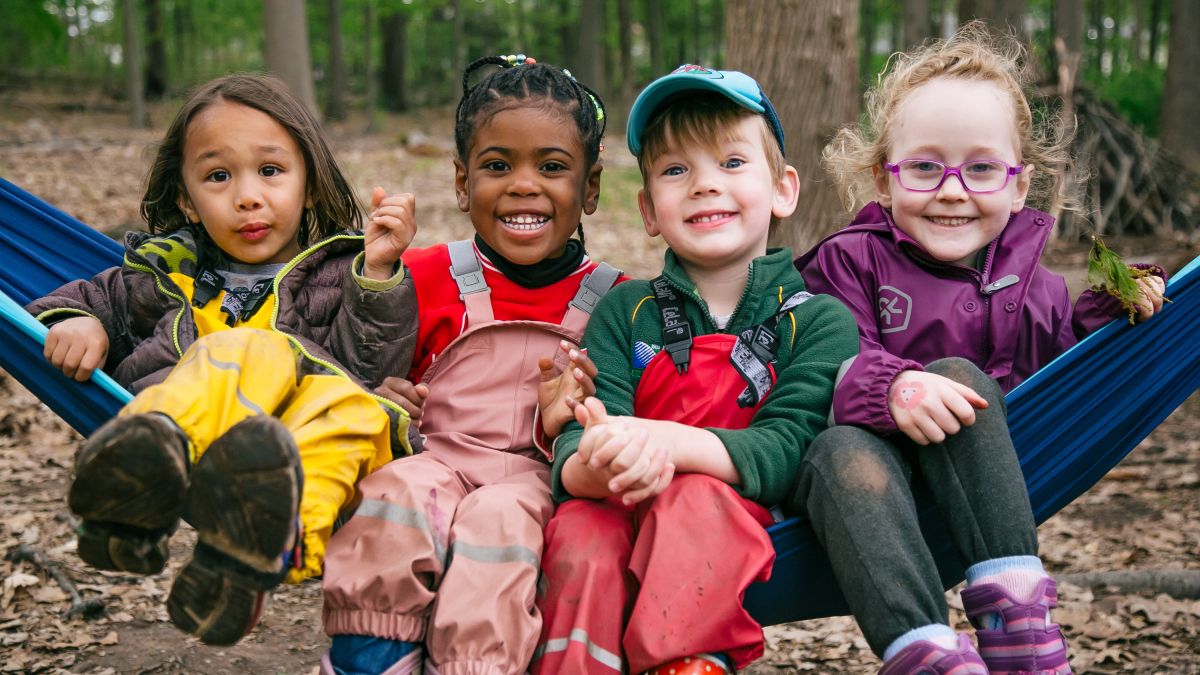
[{"x": 713, "y": 378}]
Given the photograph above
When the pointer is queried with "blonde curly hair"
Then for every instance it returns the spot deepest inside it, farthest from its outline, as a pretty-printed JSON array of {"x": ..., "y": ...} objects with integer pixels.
[{"x": 972, "y": 54}]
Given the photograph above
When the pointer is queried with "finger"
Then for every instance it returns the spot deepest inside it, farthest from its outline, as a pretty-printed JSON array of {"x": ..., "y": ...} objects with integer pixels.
[
  {"x": 571, "y": 402},
  {"x": 92, "y": 359},
  {"x": 961, "y": 409},
  {"x": 913, "y": 431},
  {"x": 639, "y": 457},
  {"x": 546, "y": 369},
  {"x": 422, "y": 391},
  {"x": 646, "y": 485},
  {"x": 586, "y": 384},
  {"x": 580, "y": 359},
  {"x": 930, "y": 429},
  {"x": 606, "y": 449},
  {"x": 581, "y": 415},
  {"x": 51, "y": 344},
  {"x": 945, "y": 419},
  {"x": 664, "y": 479},
  {"x": 972, "y": 397},
  {"x": 596, "y": 411},
  {"x": 71, "y": 361},
  {"x": 377, "y": 196}
]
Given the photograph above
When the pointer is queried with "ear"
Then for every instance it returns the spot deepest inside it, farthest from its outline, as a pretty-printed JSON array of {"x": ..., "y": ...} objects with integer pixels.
[
  {"x": 648, "y": 217},
  {"x": 883, "y": 186},
  {"x": 591, "y": 197},
  {"x": 1023, "y": 180},
  {"x": 185, "y": 205},
  {"x": 787, "y": 193},
  {"x": 461, "y": 189}
]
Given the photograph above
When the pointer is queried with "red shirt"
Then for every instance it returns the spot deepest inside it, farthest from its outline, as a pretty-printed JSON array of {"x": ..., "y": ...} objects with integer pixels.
[{"x": 443, "y": 314}]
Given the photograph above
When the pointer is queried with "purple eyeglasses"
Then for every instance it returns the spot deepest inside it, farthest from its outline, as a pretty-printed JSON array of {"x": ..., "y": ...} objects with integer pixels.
[{"x": 927, "y": 175}]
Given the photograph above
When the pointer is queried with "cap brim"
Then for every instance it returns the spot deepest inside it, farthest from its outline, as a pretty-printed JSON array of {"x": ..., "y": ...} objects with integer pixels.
[{"x": 660, "y": 90}]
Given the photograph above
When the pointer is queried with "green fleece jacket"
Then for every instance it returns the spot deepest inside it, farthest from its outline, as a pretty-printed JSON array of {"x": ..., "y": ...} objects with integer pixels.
[{"x": 813, "y": 343}]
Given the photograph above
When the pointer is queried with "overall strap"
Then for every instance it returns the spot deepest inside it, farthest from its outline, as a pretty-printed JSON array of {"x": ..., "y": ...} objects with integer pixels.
[
  {"x": 757, "y": 348},
  {"x": 677, "y": 333},
  {"x": 472, "y": 287},
  {"x": 594, "y": 286}
]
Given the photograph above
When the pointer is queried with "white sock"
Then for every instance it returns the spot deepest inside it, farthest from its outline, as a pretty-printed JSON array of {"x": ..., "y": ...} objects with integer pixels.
[
  {"x": 937, "y": 633},
  {"x": 1018, "y": 575}
]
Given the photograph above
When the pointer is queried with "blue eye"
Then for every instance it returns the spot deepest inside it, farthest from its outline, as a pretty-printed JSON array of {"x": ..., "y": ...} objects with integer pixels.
[
  {"x": 734, "y": 163},
  {"x": 673, "y": 171},
  {"x": 925, "y": 167},
  {"x": 981, "y": 167}
]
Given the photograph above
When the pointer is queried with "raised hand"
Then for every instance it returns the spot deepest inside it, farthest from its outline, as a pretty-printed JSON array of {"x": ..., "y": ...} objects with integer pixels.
[
  {"x": 77, "y": 346},
  {"x": 928, "y": 407},
  {"x": 407, "y": 395},
  {"x": 560, "y": 392},
  {"x": 1150, "y": 296},
  {"x": 390, "y": 228}
]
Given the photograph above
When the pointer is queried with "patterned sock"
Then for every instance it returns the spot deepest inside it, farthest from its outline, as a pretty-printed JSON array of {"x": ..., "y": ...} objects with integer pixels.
[
  {"x": 1018, "y": 575},
  {"x": 937, "y": 633}
]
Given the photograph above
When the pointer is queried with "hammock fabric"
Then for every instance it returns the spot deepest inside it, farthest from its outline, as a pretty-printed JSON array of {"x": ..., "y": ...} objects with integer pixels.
[{"x": 1071, "y": 422}]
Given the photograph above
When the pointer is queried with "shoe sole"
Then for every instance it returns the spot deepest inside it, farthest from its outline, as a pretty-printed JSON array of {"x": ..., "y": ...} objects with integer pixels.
[
  {"x": 243, "y": 501},
  {"x": 130, "y": 478}
]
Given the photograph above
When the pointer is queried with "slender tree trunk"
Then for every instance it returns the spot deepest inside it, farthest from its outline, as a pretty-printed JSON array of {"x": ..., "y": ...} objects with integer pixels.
[
  {"x": 372, "y": 94},
  {"x": 395, "y": 51},
  {"x": 654, "y": 34},
  {"x": 286, "y": 47},
  {"x": 1135, "y": 47},
  {"x": 132, "y": 56},
  {"x": 460, "y": 36},
  {"x": 1181, "y": 94},
  {"x": 1068, "y": 48},
  {"x": 156, "y": 50},
  {"x": 181, "y": 16},
  {"x": 916, "y": 23},
  {"x": 867, "y": 33},
  {"x": 590, "y": 58},
  {"x": 812, "y": 84},
  {"x": 625, "y": 83},
  {"x": 336, "y": 108},
  {"x": 1156, "y": 7},
  {"x": 1097, "y": 19}
]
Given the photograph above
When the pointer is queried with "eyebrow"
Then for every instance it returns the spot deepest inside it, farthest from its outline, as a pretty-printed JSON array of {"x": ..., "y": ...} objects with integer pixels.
[
  {"x": 541, "y": 152},
  {"x": 265, "y": 149}
]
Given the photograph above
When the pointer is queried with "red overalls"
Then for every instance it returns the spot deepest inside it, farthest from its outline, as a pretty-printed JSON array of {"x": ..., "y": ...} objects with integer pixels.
[
  {"x": 446, "y": 545},
  {"x": 664, "y": 579}
]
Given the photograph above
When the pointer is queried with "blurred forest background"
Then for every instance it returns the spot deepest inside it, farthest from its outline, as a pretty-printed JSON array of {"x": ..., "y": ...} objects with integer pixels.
[{"x": 1127, "y": 70}]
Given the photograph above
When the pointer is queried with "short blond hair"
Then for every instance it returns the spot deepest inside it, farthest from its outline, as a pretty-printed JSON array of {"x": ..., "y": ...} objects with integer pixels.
[
  {"x": 703, "y": 119},
  {"x": 973, "y": 54}
]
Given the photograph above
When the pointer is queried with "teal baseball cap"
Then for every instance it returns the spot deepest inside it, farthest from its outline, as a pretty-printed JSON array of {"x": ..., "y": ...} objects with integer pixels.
[{"x": 738, "y": 87}]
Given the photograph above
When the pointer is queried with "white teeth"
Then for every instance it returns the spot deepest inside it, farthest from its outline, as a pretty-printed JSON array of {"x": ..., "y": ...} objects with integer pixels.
[
  {"x": 708, "y": 219},
  {"x": 525, "y": 221},
  {"x": 949, "y": 221}
]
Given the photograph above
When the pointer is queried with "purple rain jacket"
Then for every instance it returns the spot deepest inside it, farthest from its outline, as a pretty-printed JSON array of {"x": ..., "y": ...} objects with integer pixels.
[{"x": 1010, "y": 319}]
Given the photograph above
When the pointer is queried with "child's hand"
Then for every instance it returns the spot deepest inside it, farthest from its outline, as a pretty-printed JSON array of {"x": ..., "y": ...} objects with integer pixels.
[
  {"x": 391, "y": 226},
  {"x": 407, "y": 395},
  {"x": 77, "y": 346},
  {"x": 619, "y": 450},
  {"x": 559, "y": 393},
  {"x": 1150, "y": 296},
  {"x": 929, "y": 407}
]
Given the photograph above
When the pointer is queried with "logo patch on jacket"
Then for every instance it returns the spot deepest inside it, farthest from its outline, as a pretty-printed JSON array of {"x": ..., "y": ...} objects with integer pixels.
[
  {"x": 642, "y": 353},
  {"x": 895, "y": 308}
]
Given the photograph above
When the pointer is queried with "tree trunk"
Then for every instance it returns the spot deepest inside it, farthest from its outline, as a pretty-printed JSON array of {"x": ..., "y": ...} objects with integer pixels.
[
  {"x": 369, "y": 63},
  {"x": 866, "y": 14},
  {"x": 286, "y": 47},
  {"x": 132, "y": 55},
  {"x": 654, "y": 32},
  {"x": 395, "y": 49},
  {"x": 916, "y": 23},
  {"x": 181, "y": 16},
  {"x": 156, "y": 50},
  {"x": 1135, "y": 46},
  {"x": 1156, "y": 7},
  {"x": 625, "y": 84},
  {"x": 590, "y": 59},
  {"x": 335, "y": 109},
  {"x": 460, "y": 37},
  {"x": 804, "y": 55},
  {"x": 1068, "y": 48},
  {"x": 1181, "y": 93}
]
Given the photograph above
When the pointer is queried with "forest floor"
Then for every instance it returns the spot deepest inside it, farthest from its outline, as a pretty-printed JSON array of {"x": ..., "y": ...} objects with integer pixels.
[{"x": 76, "y": 153}]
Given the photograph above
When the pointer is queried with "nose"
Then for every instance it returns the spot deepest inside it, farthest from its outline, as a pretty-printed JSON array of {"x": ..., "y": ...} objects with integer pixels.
[
  {"x": 952, "y": 189},
  {"x": 704, "y": 182},
  {"x": 248, "y": 196},
  {"x": 525, "y": 182}
]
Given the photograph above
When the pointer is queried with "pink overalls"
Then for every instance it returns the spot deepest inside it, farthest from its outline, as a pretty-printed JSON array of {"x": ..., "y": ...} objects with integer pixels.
[
  {"x": 664, "y": 579},
  {"x": 446, "y": 545}
]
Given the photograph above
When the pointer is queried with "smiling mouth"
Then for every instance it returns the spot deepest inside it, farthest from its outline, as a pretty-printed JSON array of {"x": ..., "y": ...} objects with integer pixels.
[
  {"x": 709, "y": 218},
  {"x": 951, "y": 222},
  {"x": 525, "y": 222}
]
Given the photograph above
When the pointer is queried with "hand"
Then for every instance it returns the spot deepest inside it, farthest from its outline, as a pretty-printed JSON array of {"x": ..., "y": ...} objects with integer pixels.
[
  {"x": 619, "y": 450},
  {"x": 77, "y": 346},
  {"x": 391, "y": 227},
  {"x": 928, "y": 407},
  {"x": 559, "y": 393},
  {"x": 1150, "y": 296},
  {"x": 405, "y": 394}
]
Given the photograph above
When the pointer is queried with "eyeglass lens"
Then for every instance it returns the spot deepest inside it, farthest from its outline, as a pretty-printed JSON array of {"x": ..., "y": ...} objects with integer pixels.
[{"x": 920, "y": 174}]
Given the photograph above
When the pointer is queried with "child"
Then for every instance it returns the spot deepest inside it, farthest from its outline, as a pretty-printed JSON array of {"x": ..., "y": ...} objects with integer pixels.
[
  {"x": 257, "y": 435},
  {"x": 444, "y": 548},
  {"x": 727, "y": 364},
  {"x": 953, "y": 310}
]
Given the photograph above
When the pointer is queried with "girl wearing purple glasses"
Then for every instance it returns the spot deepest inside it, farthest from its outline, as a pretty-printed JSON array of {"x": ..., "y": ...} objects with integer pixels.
[{"x": 954, "y": 309}]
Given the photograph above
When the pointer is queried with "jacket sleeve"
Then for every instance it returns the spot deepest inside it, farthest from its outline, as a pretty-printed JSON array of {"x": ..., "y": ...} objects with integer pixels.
[
  {"x": 607, "y": 340},
  {"x": 1094, "y": 308},
  {"x": 767, "y": 453},
  {"x": 103, "y": 297},
  {"x": 374, "y": 332},
  {"x": 863, "y": 381}
]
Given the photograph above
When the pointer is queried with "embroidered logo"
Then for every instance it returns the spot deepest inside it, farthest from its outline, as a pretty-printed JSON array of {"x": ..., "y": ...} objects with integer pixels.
[
  {"x": 698, "y": 70},
  {"x": 895, "y": 307},
  {"x": 642, "y": 353}
]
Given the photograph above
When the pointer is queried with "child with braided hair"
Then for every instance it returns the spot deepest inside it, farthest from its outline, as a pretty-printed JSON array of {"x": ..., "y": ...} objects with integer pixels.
[{"x": 442, "y": 555}]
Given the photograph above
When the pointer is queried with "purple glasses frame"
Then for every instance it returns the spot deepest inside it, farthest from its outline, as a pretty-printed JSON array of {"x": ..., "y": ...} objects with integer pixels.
[{"x": 947, "y": 171}]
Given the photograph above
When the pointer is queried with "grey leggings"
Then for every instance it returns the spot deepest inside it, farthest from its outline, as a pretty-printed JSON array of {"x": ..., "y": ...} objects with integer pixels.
[{"x": 856, "y": 488}]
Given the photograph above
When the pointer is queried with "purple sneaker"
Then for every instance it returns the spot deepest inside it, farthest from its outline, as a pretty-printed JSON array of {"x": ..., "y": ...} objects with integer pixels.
[
  {"x": 928, "y": 658},
  {"x": 1027, "y": 644}
]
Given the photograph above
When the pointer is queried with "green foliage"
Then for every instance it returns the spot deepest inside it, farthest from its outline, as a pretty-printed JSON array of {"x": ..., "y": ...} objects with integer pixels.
[
  {"x": 1137, "y": 93},
  {"x": 1108, "y": 272},
  {"x": 34, "y": 37}
]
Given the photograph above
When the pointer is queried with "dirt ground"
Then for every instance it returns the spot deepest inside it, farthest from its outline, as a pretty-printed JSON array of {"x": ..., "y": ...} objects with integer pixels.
[{"x": 76, "y": 153}]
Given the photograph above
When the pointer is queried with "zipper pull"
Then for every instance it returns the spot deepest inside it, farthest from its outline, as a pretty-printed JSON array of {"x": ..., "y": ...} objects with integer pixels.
[{"x": 1003, "y": 282}]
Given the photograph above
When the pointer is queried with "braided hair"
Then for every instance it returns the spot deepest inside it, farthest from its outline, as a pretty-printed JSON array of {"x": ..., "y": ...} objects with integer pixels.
[{"x": 518, "y": 80}]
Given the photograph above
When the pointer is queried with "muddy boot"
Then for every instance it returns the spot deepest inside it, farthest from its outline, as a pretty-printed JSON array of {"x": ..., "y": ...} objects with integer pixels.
[
  {"x": 130, "y": 479},
  {"x": 243, "y": 501}
]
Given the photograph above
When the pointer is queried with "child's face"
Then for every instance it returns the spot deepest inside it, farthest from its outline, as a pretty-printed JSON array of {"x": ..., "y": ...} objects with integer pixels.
[
  {"x": 244, "y": 180},
  {"x": 954, "y": 121},
  {"x": 714, "y": 210},
  {"x": 526, "y": 183}
]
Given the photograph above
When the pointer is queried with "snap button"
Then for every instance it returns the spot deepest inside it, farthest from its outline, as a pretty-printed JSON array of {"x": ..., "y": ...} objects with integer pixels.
[
  {"x": 1010, "y": 306},
  {"x": 969, "y": 306},
  {"x": 1040, "y": 220}
]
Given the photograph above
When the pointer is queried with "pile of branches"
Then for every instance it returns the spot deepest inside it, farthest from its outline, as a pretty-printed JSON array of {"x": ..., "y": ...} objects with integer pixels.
[{"x": 1124, "y": 183}]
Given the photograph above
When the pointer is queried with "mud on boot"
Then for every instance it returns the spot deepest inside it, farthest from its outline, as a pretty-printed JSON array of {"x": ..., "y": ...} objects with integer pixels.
[
  {"x": 243, "y": 501},
  {"x": 130, "y": 479}
]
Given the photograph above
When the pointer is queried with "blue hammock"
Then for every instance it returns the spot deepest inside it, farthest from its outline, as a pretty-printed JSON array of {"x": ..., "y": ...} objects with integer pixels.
[{"x": 1071, "y": 422}]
